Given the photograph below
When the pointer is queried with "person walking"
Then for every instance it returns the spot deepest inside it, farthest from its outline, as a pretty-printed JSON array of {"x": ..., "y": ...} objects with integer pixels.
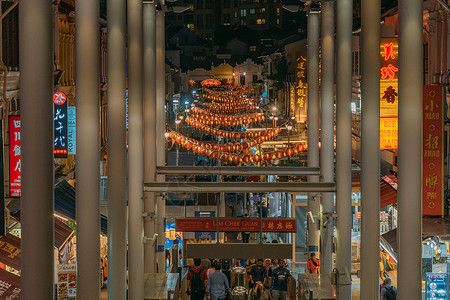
[
  {"x": 388, "y": 292},
  {"x": 217, "y": 285},
  {"x": 257, "y": 273},
  {"x": 196, "y": 280},
  {"x": 313, "y": 264},
  {"x": 259, "y": 292},
  {"x": 281, "y": 283},
  {"x": 175, "y": 259}
]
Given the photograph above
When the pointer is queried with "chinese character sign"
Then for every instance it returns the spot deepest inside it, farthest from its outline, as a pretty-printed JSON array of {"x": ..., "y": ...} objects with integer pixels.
[
  {"x": 60, "y": 142},
  {"x": 388, "y": 93},
  {"x": 14, "y": 156},
  {"x": 433, "y": 151},
  {"x": 300, "y": 89}
]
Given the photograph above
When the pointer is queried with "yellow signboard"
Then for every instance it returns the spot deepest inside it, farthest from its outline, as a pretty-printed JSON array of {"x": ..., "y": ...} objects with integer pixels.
[{"x": 388, "y": 133}]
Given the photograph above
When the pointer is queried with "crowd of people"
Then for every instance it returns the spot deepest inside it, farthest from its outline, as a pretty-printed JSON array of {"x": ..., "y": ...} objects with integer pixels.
[{"x": 267, "y": 279}]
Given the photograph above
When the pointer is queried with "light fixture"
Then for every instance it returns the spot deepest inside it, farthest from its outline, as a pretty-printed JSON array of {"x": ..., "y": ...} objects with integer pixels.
[
  {"x": 177, "y": 122},
  {"x": 181, "y": 117},
  {"x": 289, "y": 127},
  {"x": 274, "y": 108},
  {"x": 166, "y": 135}
]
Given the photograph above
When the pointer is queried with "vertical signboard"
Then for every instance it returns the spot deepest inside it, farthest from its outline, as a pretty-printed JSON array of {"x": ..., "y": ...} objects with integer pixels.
[
  {"x": 60, "y": 124},
  {"x": 291, "y": 100},
  {"x": 300, "y": 89},
  {"x": 67, "y": 281},
  {"x": 71, "y": 130},
  {"x": 388, "y": 93},
  {"x": 14, "y": 156},
  {"x": 2, "y": 187},
  {"x": 436, "y": 286},
  {"x": 432, "y": 152}
]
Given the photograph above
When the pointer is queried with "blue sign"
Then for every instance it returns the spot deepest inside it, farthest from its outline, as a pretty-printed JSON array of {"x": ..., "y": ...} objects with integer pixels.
[
  {"x": 313, "y": 248},
  {"x": 72, "y": 130},
  {"x": 60, "y": 125},
  {"x": 437, "y": 286},
  {"x": 205, "y": 235}
]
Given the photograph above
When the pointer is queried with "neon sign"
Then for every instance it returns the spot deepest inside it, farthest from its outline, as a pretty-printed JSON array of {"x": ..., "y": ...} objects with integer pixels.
[
  {"x": 60, "y": 125},
  {"x": 14, "y": 157}
]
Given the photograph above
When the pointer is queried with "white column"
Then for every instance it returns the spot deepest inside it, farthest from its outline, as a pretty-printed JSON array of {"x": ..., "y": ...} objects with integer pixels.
[
  {"x": 149, "y": 132},
  {"x": 313, "y": 123},
  {"x": 116, "y": 150},
  {"x": 36, "y": 149},
  {"x": 370, "y": 149},
  {"x": 87, "y": 57},
  {"x": 135, "y": 153},
  {"x": 410, "y": 85},
  {"x": 160, "y": 129},
  {"x": 344, "y": 11},
  {"x": 327, "y": 134}
]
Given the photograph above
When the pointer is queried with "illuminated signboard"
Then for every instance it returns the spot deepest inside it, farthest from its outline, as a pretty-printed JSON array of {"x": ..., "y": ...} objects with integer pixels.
[
  {"x": 300, "y": 89},
  {"x": 292, "y": 100},
  {"x": 60, "y": 122},
  {"x": 14, "y": 156},
  {"x": 72, "y": 130},
  {"x": 432, "y": 152},
  {"x": 389, "y": 94}
]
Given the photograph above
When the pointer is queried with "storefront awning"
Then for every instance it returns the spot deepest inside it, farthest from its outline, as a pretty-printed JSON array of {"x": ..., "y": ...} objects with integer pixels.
[{"x": 388, "y": 190}]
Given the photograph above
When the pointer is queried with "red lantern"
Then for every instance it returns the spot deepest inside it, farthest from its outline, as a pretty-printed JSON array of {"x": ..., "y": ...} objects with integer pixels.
[
  {"x": 224, "y": 157},
  {"x": 188, "y": 145},
  {"x": 214, "y": 154},
  {"x": 205, "y": 152},
  {"x": 260, "y": 140},
  {"x": 246, "y": 158},
  {"x": 252, "y": 143},
  {"x": 230, "y": 147},
  {"x": 279, "y": 154},
  {"x": 223, "y": 148},
  {"x": 238, "y": 147},
  {"x": 256, "y": 158},
  {"x": 289, "y": 152},
  {"x": 170, "y": 134},
  {"x": 235, "y": 158},
  {"x": 216, "y": 147},
  {"x": 267, "y": 156},
  {"x": 178, "y": 139}
]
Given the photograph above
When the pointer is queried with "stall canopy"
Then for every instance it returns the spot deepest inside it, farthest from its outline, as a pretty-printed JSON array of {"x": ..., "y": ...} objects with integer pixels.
[{"x": 388, "y": 190}]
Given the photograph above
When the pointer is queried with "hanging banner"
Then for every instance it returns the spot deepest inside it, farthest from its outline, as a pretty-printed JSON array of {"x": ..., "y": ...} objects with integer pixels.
[
  {"x": 72, "y": 130},
  {"x": 14, "y": 156},
  {"x": 10, "y": 251},
  {"x": 60, "y": 125},
  {"x": 300, "y": 89},
  {"x": 388, "y": 94},
  {"x": 433, "y": 152},
  {"x": 236, "y": 224}
]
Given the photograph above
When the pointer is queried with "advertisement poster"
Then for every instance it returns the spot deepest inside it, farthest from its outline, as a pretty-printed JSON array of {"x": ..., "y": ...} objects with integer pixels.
[
  {"x": 14, "y": 156},
  {"x": 432, "y": 152},
  {"x": 436, "y": 286},
  {"x": 67, "y": 281}
]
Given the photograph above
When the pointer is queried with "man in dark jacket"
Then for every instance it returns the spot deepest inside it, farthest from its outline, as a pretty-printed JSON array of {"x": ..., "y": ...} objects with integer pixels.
[{"x": 196, "y": 280}]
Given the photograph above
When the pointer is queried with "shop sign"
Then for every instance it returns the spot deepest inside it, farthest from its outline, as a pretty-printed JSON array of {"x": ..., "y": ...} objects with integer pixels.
[
  {"x": 14, "y": 156},
  {"x": 432, "y": 152},
  {"x": 67, "y": 281},
  {"x": 388, "y": 93},
  {"x": 205, "y": 234},
  {"x": 235, "y": 224},
  {"x": 300, "y": 89},
  {"x": 10, "y": 251},
  {"x": 9, "y": 285},
  {"x": 358, "y": 215},
  {"x": 436, "y": 286},
  {"x": 292, "y": 100},
  {"x": 72, "y": 130},
  {"x": 60, "y": 125}
]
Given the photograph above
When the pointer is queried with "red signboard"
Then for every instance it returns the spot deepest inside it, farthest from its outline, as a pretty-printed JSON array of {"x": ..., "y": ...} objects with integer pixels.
[
  {"x": 9, "y": 285},
  {"x": 432, "y": 152},
  {"x": 10, "y": 251},
  {"x": 59, "y": 98},
  {"x": 14, "y": 156},
  {"x": 236, "y": 224}
]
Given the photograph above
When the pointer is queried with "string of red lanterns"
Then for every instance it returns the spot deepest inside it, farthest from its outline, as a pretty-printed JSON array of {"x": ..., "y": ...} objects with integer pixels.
[
  {"x": 226, "y": 152},
  {"x": 265, "y": 134}
]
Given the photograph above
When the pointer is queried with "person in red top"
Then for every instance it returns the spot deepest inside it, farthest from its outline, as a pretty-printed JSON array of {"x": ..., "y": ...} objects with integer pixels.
[
  {"x": 313, "y": 264},
  {"x": 196, "y": 280}
]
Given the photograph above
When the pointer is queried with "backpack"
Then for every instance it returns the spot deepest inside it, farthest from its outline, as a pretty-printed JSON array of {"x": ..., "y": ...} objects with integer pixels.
[
  {"x": 196, "y": 281},
  {"x": 390, "y": 293}
]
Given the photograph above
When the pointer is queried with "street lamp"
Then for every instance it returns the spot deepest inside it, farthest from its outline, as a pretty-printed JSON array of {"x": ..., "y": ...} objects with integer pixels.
[
  {"x": 289, "y": 128},
  {"x": 275, "y": 119}
]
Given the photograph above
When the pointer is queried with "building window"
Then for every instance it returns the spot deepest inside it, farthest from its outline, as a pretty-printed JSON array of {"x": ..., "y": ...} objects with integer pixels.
[
  {"x": 208, "y": 4},
  {"x": 209, "y": 21},
  {"x": 243, "y": 23},
  {"x": 261, "y": 21},
  {"x": 199, "y": 4},
  {"x": 278, "y": 11},
  {"x": 252, "y": 11},
  {"x": 255, "y": 78},
  {"x": 278, "y": 20},
  {"x": 235, "y": 14},
  {"x": 226, "y": 19},
  {"x": 252, "y": 48},
  {"x": 242, "y": 80},
  {"x": 243, "y": 12},
  {"x": 190, "y": 26},
  {"x": 200, "y": 22},
  {"x": 262, "y": 10}
]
